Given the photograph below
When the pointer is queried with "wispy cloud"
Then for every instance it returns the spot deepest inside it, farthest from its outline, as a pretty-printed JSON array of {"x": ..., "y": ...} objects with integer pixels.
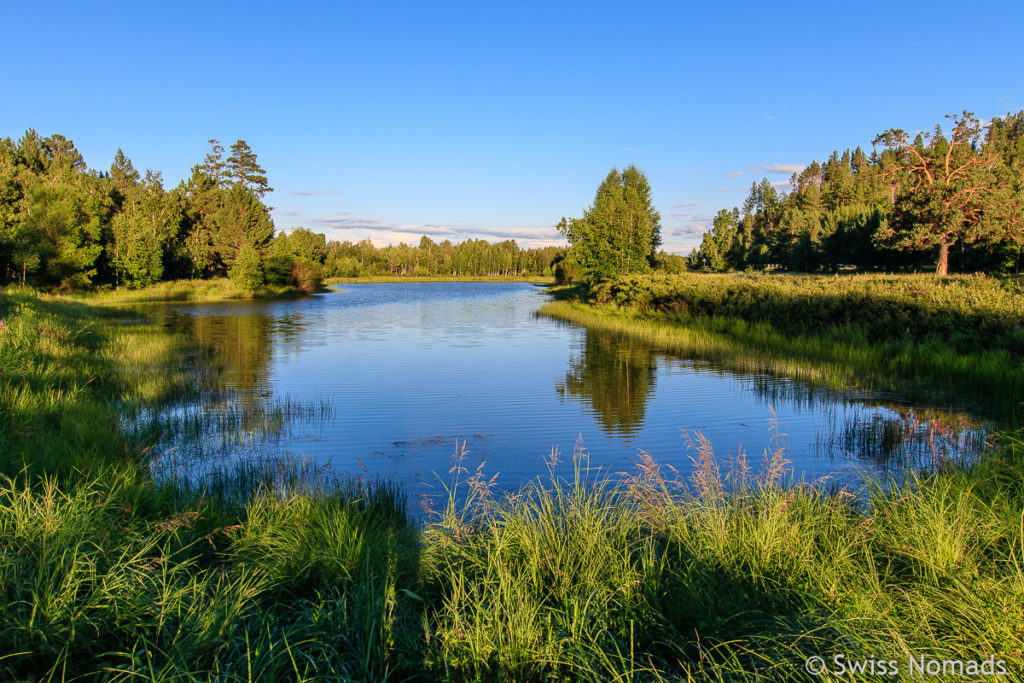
[
  {"x": 734, "y": 174},
  {"x": 695, "y": 230},
  {"x": 286, "y": 212},
  {"x": 683, "y": 205},
  {"x": 787, "y": 169},
  {"x": 353, "y": 226},
  {"x": 724, "y": 189},
  {"x": 303, "y": 193}
]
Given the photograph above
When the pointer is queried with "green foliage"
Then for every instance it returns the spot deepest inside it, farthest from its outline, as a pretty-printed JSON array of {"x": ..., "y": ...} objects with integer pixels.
[
  {"x": 718, "y": 244},
  {"x": 961, "y": 337},
  {"x": 242, "y": 222},
  {"x": 620, "y": 232},
  {"x": 67, "y": 220},
  {"x": 247, "y": 270},
  {"x": 306, "y": 275},
  {"x": 63, "y": 225},
  {"x": 142, "y": 230},
  {"x": 242, "y": 168},
  {"x": 950, "y": 190},
  {"x": 955, "y": 201}
]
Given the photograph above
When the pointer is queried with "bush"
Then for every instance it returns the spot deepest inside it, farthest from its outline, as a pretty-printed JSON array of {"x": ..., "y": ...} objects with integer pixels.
[
  {"x": 248, "y": 269},
  {"x": 278, "y": 269},
  {"x": 307, "y": 275}
]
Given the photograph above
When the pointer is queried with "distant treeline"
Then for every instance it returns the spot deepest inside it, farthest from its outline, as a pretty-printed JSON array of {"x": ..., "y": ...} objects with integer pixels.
[
  {"x": 932, "y": 201},
  {"x": 64, "y": 225}
]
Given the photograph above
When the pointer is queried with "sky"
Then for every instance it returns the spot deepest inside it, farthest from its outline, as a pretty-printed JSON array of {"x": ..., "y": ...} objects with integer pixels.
[{"x": 390, "y": 120}]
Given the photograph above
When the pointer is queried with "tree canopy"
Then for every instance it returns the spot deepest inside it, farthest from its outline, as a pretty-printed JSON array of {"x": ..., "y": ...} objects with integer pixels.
[
  {"x": 938, "y": 200},
  {"x": 620, "y": 232}
]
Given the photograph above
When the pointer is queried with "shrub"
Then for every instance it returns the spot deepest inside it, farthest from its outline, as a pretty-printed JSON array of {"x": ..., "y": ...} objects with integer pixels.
[{"x": 248, "y": 269}]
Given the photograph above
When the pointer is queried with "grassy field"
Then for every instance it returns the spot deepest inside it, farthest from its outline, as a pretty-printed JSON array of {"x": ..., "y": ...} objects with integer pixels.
[
  {"x": 275, "y": 573},
  {"x": 960, "y": 340},
  {"x": 536, "y": 279}
]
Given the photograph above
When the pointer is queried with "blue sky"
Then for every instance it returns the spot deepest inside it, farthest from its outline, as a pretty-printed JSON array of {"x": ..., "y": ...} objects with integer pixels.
[{"x": 487, "y": 119}]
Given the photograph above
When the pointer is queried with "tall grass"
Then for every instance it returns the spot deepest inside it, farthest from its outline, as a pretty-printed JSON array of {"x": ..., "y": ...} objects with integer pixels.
[{"x": 215, "y": 289}]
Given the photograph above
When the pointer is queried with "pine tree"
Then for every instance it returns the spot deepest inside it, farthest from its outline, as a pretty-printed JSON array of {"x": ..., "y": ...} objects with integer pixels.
[
  {"x": 213, "y": 164},
  {"x": 949, "y": 190},
  {"x": 243, "y": 169}
]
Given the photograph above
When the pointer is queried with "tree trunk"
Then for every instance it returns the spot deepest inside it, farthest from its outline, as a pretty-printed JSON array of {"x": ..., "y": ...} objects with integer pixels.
[{"x": 942, "y": 268}]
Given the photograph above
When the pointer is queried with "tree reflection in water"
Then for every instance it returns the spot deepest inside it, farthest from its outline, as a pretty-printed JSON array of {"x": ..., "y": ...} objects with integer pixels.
[{"x": 615, "y": 377}]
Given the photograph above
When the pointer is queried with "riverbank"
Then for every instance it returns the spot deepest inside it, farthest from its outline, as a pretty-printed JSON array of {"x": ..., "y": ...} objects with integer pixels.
[
  {"x": 216, "y": 289},
  {"x": 533, "y": 279},
  {"x": 272, "y": 573},
  {"x": 960, "y": 339}
]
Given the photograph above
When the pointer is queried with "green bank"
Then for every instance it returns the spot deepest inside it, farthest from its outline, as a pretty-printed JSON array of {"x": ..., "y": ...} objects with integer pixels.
[{"x": 955, "y": 340}]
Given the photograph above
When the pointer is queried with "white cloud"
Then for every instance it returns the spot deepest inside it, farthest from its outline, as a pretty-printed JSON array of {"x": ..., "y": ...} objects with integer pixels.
[
  {"x": 788, "y": 169},
  {"x": 303, "y": 193},
  {"x": 683, "y": 205},
  {"x": 353, "y": 227},
  {"x": 695, "y": 230},
  {"x": 734, "y": 174}
]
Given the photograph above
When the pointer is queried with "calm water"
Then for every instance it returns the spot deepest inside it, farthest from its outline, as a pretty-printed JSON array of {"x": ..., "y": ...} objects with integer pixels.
[{"x": 387, "y": 378}]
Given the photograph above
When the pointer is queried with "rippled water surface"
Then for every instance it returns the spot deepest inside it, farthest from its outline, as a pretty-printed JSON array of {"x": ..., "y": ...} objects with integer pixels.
[{"x": 389, "y": 376}]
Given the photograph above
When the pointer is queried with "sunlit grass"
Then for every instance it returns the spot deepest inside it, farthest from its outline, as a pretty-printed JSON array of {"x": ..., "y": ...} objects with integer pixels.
[
  {"x": 845, "y": 355},
  {"x": 216, "y": 289}
]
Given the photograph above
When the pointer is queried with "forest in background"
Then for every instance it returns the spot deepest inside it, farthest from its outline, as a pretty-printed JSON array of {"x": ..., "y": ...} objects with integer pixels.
[
  {"x": 67, "y": 226},
  {"x": 934, "y": 201}
]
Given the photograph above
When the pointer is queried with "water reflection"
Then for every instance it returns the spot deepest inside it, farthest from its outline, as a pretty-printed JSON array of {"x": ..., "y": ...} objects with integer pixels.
[
  {"x": 239, "y": 347},
  {"x": 615, "y": 378},
  {"x": 382, "y": 380}
]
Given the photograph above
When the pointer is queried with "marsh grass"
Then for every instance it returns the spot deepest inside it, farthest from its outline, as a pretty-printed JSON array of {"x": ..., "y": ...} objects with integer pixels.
[
  {"x": 216, "y": 289},
  {"x": 992, "y": 381},
  {"x": 729, "y": 574}
]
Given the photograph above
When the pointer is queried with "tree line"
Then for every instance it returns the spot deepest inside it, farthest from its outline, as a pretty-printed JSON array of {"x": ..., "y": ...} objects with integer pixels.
[
  {"x": 65, "y": 225},
  {"x": 935, "y": 200}
]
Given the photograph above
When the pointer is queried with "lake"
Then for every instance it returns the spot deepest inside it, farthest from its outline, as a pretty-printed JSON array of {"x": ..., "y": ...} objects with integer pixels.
[{"x": 382, "y": 380}]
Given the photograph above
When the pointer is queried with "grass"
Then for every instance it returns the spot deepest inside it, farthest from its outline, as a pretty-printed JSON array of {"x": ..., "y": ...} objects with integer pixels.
[
  {"x": 216, "y": 289},
  {"x": 830, "y": 330},
  {"x": 273, "y": 571}
]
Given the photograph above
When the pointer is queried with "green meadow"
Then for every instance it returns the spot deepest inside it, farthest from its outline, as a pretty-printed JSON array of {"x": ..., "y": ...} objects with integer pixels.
[{"x": 278, "y": 572}]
